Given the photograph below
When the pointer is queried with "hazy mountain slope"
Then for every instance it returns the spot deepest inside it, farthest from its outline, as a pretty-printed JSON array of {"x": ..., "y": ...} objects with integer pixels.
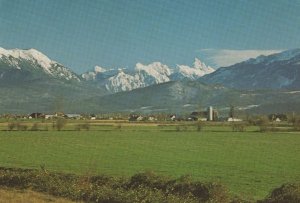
[
  {"x": 276, "y": 71},
  {"x": 44, "y": 96},
  {"x": 170, "y": 96},
  {"x": 186, "y": 96}
]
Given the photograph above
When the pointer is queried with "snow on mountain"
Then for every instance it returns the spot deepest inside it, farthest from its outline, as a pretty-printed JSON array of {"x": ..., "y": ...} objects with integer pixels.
[
  {"x": 16, "y": 57},
  {"x": 153, "y": 73},
  {"x": 124, "y": 82},
  {"x": 201, "y": 66},
  {"x": 142, "y": 76},
  {"x": 193, "y": 73},
  {"x": 275, "y": 71},
  {"x": 99, "y": 69},
  {"x": 282, "y": 56},
  {"x": 145, "y": 75},
  {"x": 31, "y": 64},
  {"x": 30, "y": 54},
  {"x": 91, "y": 75}
]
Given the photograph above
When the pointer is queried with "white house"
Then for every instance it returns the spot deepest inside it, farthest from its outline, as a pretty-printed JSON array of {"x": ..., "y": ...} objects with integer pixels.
[{"x": 234, "y": 119}]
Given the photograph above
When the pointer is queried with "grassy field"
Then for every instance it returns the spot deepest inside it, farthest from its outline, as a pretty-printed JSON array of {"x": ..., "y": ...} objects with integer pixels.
[{"x": 249, "y": 163}]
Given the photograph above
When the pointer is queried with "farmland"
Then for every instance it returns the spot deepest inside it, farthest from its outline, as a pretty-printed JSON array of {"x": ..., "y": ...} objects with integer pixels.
[{"x": 249, "y": 163}]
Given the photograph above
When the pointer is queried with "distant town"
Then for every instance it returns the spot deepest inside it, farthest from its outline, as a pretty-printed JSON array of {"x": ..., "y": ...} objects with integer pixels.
[{"x": 210, "y": 114}]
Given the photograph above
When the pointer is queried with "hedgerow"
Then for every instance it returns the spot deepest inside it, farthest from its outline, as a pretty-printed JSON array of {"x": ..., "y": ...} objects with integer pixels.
[{"x": 142, "y": 187}]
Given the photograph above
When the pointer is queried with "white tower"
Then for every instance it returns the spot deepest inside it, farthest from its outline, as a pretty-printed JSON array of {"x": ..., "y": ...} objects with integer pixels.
[{"x": 210, "y": 113}]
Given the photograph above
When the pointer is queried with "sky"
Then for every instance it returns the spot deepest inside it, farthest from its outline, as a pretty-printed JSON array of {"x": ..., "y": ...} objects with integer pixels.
[{"x": 120, "y": 33}]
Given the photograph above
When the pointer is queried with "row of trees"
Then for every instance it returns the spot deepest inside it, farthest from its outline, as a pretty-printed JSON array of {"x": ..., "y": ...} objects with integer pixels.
[{"x": 58, "y": 125}]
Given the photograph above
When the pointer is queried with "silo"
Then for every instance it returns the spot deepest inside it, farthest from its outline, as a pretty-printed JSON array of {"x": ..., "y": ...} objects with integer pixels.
[{"x": 210, "y": 113}]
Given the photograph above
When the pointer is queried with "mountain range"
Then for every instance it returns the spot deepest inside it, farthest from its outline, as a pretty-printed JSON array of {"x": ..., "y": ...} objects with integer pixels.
[
  {"x": 31, "y": 82},
  {"x": 276, "y": 71},
  {"x": 118, "y": 80}
]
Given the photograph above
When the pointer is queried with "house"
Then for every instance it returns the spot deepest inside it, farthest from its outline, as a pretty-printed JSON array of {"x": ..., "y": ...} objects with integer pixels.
[
  {"x": 60, "y": 114},
  {"x": 73, "y": 116},
  {"x": 49, "y": 116},
  {"x": 93, "y": 117},
  {"x": 140, "y": 118},
  {"x": 198, "y": 115},
  {"x": 133, "y": 117},
  {"x": 36, "y": 115},
  {"x": 173, "y": 117},
  {"x": 152, "y": 118},
  {"x": 230, "y": 119},
  {"x": 278, "y": 117},
  {"x": 209, "y": 115}
]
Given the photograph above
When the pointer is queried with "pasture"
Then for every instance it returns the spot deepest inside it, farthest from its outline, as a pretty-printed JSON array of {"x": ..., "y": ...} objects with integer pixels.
[{"x": 249, "y": 163}]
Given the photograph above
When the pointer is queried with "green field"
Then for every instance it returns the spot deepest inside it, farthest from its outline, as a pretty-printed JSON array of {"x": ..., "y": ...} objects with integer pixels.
[{"x": 249, "y": 163}]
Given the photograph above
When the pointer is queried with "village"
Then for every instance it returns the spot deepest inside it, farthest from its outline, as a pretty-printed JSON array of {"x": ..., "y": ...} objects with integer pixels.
[{"x": 210, "y": 114}]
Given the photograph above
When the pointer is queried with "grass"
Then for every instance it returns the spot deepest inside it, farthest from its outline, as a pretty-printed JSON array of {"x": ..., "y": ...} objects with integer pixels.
[
  {"x": 250, "y": 163},
  {"x": 16, "y": 196}
]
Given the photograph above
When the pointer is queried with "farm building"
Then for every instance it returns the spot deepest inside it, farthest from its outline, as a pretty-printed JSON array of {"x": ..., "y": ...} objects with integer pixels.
[
  {"x": 36, "y": 115},
  {"x": 209, "y": 115}
]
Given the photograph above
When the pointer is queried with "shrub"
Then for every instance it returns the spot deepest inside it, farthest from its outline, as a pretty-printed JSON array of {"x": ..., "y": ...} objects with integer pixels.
[
  {"x": 184, "y": 127},
  {"x": 142, "y": 187},
  {"x": 60, "y": 123},
  {"x": 11, "y": 126},
  {"x": 199, "y": 126},
  {"x": 263, "y": 123},
  {"x": 238, "y": 127},
  {"x": 78, "y": 127},
  {"x": 119, "y": 127},
  {"x": 181, "y": 128},
  {"x": 296, "y": 124},
  {"x": 148, "y": 179},
  {"x": 85, "y": 126},
  {"x": 287, "y": 193},
  {"x": 183, "y": 187},
  {"x": 17, "y": 126},
  {"x": 46, "y": 128},
  {"x": 21, "y": 127},
  {"x": 35, "y": 127}
]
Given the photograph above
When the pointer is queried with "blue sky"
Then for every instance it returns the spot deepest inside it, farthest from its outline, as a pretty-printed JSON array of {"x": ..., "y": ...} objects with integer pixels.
[{"x": 119, "y": 33}]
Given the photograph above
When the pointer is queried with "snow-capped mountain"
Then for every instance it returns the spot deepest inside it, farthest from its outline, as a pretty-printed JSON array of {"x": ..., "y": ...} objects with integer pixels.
[
  {"x": 276, "y": 71},
  {"x": 141, "y": 76},
  {"x": 145, "y": 75},
  {"x": 153, "y": 73},
  {"x": 192, "y": 73},
  {"x": 288, "y": 56},
  {"x": 30, "y": 62},
  {"x": 91, "y": 75},
  {"x": 31, "y": 82},
  {"x": 124, "y": 82}
]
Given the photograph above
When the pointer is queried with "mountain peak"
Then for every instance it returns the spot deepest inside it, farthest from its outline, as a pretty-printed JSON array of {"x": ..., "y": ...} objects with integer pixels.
[
  {"x": 276, "y": 71},
  {"x": 282, "y": 56},
  {"x": 15, "y": 58},
  {"x": 99, "y": 69},
  {"x": 198, "y": 62},
  {"x": 200, "y": 65},
  {"x": 29, "y": 54},
  {"x": 155, "y": 69}
]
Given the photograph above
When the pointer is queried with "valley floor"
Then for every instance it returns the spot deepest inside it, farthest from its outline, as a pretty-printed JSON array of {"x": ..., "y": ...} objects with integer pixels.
[{"x": 249, "y": 163}]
